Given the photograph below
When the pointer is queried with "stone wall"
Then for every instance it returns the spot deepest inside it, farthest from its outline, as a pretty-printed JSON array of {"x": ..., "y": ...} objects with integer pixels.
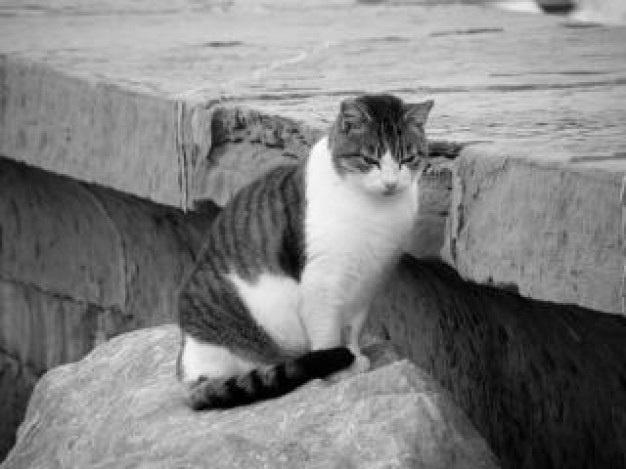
[{"x": 79, "y": 264}]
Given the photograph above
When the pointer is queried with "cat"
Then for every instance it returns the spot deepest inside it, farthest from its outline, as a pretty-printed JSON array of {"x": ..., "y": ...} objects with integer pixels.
[{"x": 281, "y": 290}]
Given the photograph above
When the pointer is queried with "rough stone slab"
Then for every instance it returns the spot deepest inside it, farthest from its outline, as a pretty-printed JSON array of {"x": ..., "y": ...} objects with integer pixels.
[
  {"x": 553, "y": 231},
  {"x": 490, "y": 72},
  {"x": 44, "y": 222},
  {"x": 227, "y": 147},
  {"x": 159, "y": 247},
  {"x": 91, "y": 244},
  {"x": 134, "y": 413},
  {"x": 90, "y": 129},
  {"x": 543, "y": 382}
]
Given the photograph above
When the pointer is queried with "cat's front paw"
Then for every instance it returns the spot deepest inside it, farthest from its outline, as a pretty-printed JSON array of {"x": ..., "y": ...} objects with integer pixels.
[{"x": 361, "y": 364}]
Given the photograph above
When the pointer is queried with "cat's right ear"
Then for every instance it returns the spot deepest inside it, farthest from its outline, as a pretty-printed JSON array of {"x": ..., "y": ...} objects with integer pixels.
[
  {"x": 352, "y": 116},
  {"x": 418, "y": 113}
]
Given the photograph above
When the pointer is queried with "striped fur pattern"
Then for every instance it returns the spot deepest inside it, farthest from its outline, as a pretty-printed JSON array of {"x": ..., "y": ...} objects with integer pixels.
[
  {"x": 281, "y": 290},
  {"x": 267, "y": 382}
]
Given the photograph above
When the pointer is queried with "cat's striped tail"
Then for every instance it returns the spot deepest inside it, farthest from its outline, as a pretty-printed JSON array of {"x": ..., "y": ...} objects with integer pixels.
[{"x": 268, "y": 382}]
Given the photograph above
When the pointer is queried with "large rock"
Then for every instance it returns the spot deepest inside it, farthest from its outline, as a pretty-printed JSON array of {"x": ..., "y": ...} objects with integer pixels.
[{"x": 121, "y": 406}]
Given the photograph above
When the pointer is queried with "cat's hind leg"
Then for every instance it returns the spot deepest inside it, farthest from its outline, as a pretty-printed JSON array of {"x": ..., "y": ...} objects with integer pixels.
[
  {"x": 201, "y": 360},
  {"x": 218, "y": 379}
]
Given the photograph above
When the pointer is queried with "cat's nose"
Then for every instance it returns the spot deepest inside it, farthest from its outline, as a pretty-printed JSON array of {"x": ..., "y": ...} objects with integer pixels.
[{"x": 390, "y": 186}]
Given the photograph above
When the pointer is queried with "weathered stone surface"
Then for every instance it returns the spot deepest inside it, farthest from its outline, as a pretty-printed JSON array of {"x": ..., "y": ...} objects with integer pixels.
[
  {"x": 194, "y": 114},
  {"x": 544, "y": 383},
  {"x": 434, "y": 205},
  {"x": 44, "y": 222},
  {"x": 90, "y": 130},
  {"x": 79, "y": 264},
  {"x": 552, "y": 230},
  {"x": 118, "y": 110},
  {"x": 134, "y": 414},
  {"x": 231, "y": 146},
  {"x": 38, "y": 331},
  {"x": 93, "y": 245}
]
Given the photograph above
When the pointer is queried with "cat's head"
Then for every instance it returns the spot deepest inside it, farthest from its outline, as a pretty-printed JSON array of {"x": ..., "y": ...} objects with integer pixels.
[{"x": 378, "y": 142}]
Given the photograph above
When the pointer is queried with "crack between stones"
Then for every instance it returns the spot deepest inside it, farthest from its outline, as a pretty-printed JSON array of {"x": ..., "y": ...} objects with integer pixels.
[
  {"x": 120, "y": 241},
  {"x": 54, "y": 294},
  {"x": 181, "y": 153},
  {"x": 622, "y": 240}
]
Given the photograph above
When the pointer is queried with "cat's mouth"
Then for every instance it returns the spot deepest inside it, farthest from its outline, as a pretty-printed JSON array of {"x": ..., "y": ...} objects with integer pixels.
[{"x": 387, "y": 191}]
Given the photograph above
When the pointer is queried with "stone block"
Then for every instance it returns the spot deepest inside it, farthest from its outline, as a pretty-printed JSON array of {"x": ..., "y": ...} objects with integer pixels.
[
  {"x": 57, "y": 236},
  {"x": 550, "y": 229},
  {"x": 91, "y": 130},
  {"x": 92, "y": 244}
]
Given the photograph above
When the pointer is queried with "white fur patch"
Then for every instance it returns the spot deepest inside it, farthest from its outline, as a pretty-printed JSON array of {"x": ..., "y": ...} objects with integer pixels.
[
  {"x": 353, "y": 235},
  {"x": 274, "y": 303},
  {"x": 212, "y": 361}
]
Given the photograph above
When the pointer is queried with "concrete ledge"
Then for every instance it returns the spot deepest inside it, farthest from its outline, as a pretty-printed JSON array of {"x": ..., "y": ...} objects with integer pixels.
[
  {"x": 550, "y": 229},
  {"x": 91, "y": 130}
]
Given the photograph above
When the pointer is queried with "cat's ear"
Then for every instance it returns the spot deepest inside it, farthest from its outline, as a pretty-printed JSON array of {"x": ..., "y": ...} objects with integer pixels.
[
  {"x": 417, "y": 113},
  {"x": 352, "y": 115}
]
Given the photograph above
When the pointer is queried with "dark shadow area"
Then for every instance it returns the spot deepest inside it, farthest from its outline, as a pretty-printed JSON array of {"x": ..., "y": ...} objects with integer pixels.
[{"x": 545, "y": 383}]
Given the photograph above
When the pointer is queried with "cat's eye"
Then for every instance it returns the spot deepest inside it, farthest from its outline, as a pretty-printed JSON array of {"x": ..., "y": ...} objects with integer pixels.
[
  {"x": 410, "y": 158},
  {"x": 370, "y": 161},
  {"x": 348, "y": 126}
]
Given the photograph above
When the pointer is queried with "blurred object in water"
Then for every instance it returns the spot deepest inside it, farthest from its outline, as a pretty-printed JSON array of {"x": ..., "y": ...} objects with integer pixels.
[
  {"x": 601, "y": 11},
  {"x": 525, "y": 6},
  {"x": 557, "y": 7},
  {"x": 586, "y": 11}
]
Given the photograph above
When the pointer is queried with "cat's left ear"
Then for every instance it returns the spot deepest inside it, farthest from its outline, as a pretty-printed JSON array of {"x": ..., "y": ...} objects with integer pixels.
[
  {"x": 417, "y": 113},
  {"x": 352, "y": 115}
]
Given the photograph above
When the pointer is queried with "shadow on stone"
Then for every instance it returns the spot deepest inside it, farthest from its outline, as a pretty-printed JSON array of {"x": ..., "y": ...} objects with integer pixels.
[{"x": 545, "y": 383}]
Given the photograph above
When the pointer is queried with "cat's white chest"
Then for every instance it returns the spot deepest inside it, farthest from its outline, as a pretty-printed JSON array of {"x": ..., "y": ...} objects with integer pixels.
[
  {"x": 351, "y": 236},
  {"x": 351, "y": 241}
]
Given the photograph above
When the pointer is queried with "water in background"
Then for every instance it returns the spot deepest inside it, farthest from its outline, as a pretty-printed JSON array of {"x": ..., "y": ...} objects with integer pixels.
[{"x": 595, "y": 11}]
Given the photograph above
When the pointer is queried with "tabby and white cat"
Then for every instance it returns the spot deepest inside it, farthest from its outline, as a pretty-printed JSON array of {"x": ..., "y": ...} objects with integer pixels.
[{"x": 290, "y": 266}]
